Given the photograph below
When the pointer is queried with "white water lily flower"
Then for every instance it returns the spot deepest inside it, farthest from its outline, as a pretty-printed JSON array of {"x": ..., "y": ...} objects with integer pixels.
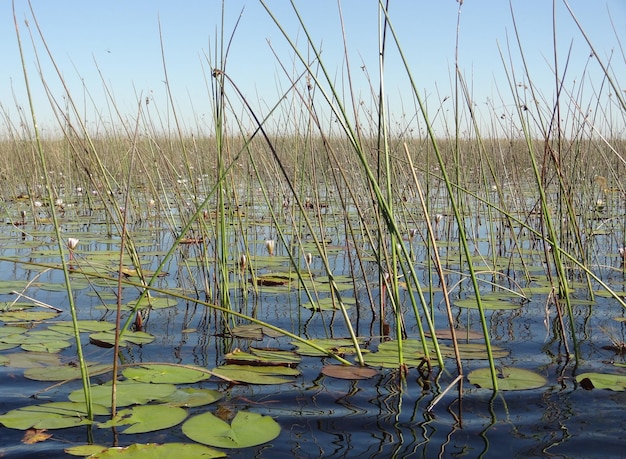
[
  {"x": 72, "y": 242},
  {"x": 270, "y": 245}
]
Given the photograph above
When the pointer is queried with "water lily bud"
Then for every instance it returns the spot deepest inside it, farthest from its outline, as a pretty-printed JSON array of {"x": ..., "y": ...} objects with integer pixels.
[
  {"x": 270, "y": 245},
  {"x": 72, "y": 242}
]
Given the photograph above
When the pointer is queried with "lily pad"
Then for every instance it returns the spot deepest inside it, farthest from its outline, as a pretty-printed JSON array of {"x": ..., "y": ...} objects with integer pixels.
[
  {"x": 350, "y": 372},
  {"x": 148, "y": 451},
  {"x": 495, "y": 301},
  {"x": 602, "y": 381},
  {"x": 67, "y": 327},
  {"x": 254, "y": 331},
  {"x": 263, "y": 357},
  {"x": 55, "y": 415},
  {"x": 33, "y": 359},
  {"x": 338, "y": 346},
  {"x": 257, "y": 374},
  {"x": 246, "y": 429},
  {"x": 327, "y": 304},
  {"x": 191, "y": 397},
  {"x": 509, "y": 378},
  {"x": 107, "y": 339},
  {"x": 147, "y": 418},
  {"x": 160, "y": 373},
  {"x": 26, "y": 316},
  {"x": 128, "y": 393},
  {"x": 63, "y": 372},
  {"x": 387, "y": 355}
]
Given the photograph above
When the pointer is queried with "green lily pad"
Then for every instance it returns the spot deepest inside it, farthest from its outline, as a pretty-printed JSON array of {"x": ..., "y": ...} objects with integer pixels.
[
  {"x": 602, "y": 381},
  {"x": 495, "y": 301},
  {"x": 509, "y": 378},
  {"x": 107, "y": 339},
  {"x": 26, "y": 316},
  {"x": 191, "y": 397},
  {"x": 160, "y": 373},
  {"x": 246, "y": 429},
  {"x": 33, "y": 359},
  {"x": 128, "y": 393},
  {"x": 254, "y": 331},
  {"x": 146, "y": 418},
  {"x": 263, "y": 357},
  {"x": 327, "y": 304},
  {"x": 338, "y": 346},
  {"x": 153, "y": 302},
  {"x": 55, "y": 415},
  {"x": 63, "y": 372},
  {"x": 387, "y": 355},
  {"x": 66, "y": 327},
  {"x": 148, "y": 451},
  {"x": 257, "y": 374}
]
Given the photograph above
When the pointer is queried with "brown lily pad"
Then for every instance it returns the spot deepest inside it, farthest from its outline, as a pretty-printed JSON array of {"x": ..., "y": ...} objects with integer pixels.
[{"x": 348, "y": 372}]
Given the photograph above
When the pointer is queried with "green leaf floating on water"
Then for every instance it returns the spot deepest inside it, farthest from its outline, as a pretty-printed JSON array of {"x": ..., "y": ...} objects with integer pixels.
[
  {"x": 602, "y": 381},
  {"x": 338, "y": 346},
  {"x": 26, "y": 316},
  {"x": 66, "y": 326},
  {"x": 246, "y": 429},
  {"x": 55, "y": 415},
  {"x": 146, "y": 418},
  {"x": 148, "y": 451},
  {"x": 254, "y": 331},
  {"x": 387, "y": 355},
  {"x": 257, "y": 374},
  {"x": 496, "y": 301},
  {"x": 263, "y": 357},
  {"x": 509, "y": 378},
  {"x": 107, "y": 339},
  {"x": 191, "y": 397},
  {"x": 128, "y": 393},
  {"x": 158, "y": 373},
  {"x": 64, "y": 372}
]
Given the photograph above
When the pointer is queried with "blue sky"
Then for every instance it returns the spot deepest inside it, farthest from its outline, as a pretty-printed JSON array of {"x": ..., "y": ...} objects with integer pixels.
[{"x": 117, "y": 45}]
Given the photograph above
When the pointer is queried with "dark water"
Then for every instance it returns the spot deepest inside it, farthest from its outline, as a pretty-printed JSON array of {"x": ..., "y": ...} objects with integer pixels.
[{"x": 323, "y": 417}]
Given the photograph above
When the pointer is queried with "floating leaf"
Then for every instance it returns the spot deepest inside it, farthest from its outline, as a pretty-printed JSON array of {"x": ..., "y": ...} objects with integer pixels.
[
  {"x": 329, "y": 303},
  {"x": 191, "y": 397},
  {"x": 246, "y": 429},
  {"x": 67, "y": 327},
  {"x": 254, "y": 331},
  {"x": 148, "y": 451},
  {"x": 162, "y": 373},
  {"x": 64, "y": 372},
  {"x": 153, "y": 302},
  {"x": 147, "y": 418},
  {"x": 33, "y": 436},
  {"x": 339, "y": 346},
  {"x": 33, "y": 359},
  {"x": 26, "y": 316},
  {"x": 107, "y": 339},
  {"x": 387, "y": 355},
  {"x": 128, "y": 393},
  {"x": 257, "y": 374},
  {"x": 263, "y": 357},
  {"x": 496, "y": 301},
  {"x": 509, "y": 378},
  {"x": 602, "y": 381},
  {"x": 348, "y": 372},
  {"x": 461, "y": 334},
  {"x": 55, "y": 415}
]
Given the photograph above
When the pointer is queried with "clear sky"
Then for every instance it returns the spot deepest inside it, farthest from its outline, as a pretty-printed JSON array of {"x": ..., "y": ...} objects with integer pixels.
[{"x": 116, "y": 44}]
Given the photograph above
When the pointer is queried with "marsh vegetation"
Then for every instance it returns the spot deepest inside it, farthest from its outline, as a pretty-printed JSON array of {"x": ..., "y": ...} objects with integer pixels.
[{"x": 314, "y": 274}]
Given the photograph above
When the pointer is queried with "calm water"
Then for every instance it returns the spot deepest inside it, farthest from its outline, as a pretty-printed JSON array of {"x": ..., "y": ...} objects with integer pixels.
[{"x": 326, "y": 417}]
